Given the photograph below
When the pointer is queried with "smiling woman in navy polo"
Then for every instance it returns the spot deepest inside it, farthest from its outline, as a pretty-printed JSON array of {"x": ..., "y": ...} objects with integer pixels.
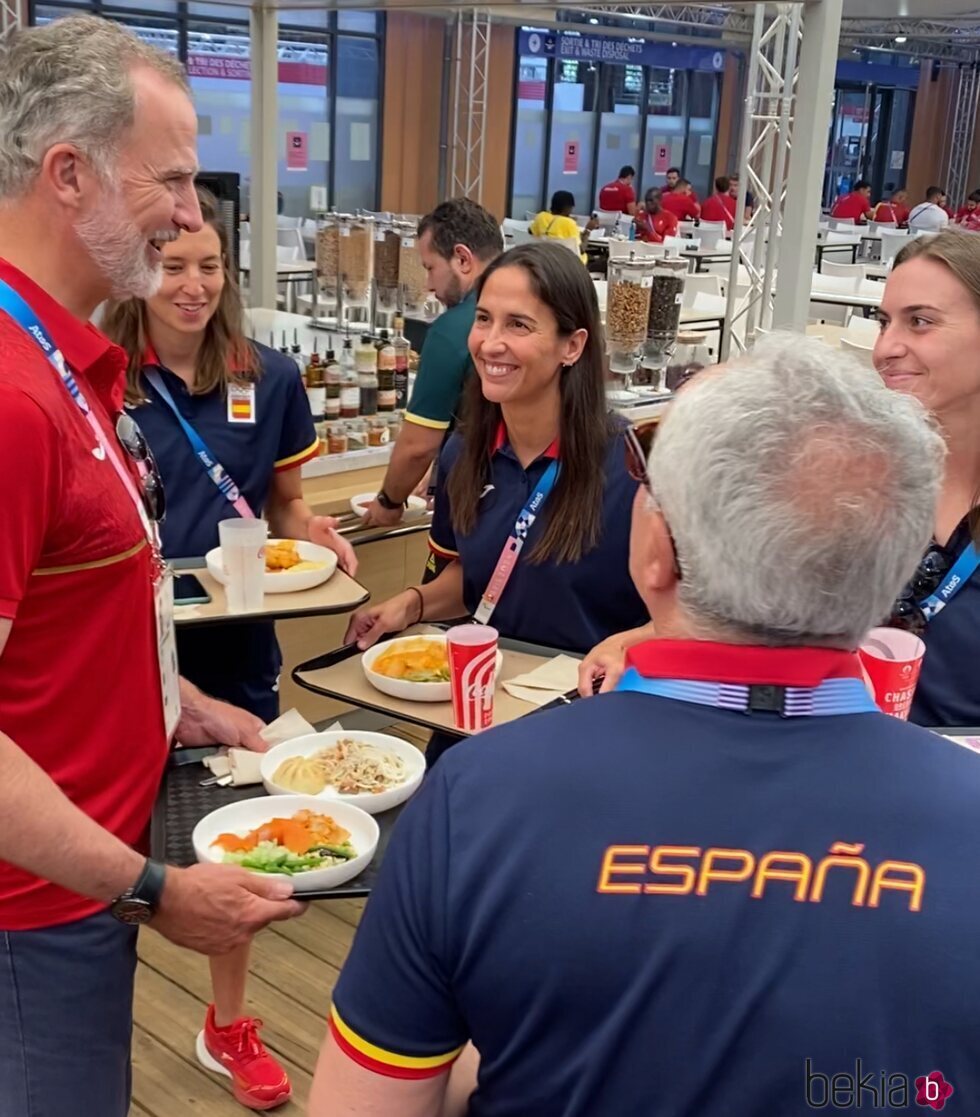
[
  {"x": 194, "y": 380},
  {"x": 538, "y": 456}
]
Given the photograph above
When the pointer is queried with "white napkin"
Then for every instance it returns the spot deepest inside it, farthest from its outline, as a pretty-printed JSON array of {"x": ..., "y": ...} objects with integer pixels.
[
  {"x": 240, "y": 767},
  {"x": 545, "y": 683}
]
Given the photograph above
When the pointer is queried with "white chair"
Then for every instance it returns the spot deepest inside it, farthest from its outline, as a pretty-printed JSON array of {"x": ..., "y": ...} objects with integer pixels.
[
  {"x": 284, "y": 222},
  {"x": 864, "y": 352},
  {"x": 608, "y": 219},
  {"x": 244, "y": 230},
  {"x": 875, "y": 227},
  {"x": 571, "y": 243},
  {"x": 687, "y": 229},
  {"x": 709, "y": 230},
  {"x": 831, "y": 285},
  {"x": 681, "y": 245},
  {"x": 863, "y": 331},
  {"x": 291, "y": 238},
  {"x": 845, "y": 271},
  {"x": 841, "y": 222},
  {"x": 512, "y": 225},
  {"x": 520, "y": 236},
  {"x": 701, "y": 285},
  {"x": 638, "y": 249},
  {"x": 892, "y": 243},
  {"x": 288, "y": 253}
]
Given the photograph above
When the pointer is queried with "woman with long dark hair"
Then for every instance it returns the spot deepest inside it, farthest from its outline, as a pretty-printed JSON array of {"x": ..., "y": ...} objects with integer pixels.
[
  {"x": 189, "y": 362},
  {"x": 536, "y": 441}
]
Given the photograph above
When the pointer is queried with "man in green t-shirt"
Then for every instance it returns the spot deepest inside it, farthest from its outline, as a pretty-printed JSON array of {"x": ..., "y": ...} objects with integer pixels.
[{"x": 457, "y": 241}]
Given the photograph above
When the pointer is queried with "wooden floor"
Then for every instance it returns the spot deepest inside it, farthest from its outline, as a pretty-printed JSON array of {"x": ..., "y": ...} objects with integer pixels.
[{"x": 293, "y": 971}]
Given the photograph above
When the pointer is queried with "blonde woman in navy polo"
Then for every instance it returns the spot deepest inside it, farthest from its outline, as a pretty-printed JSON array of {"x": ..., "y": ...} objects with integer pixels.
[
  {"x": 929, "y": 348},
  {"x": 535, "y": 425},
  {"x": 191, "y": 366}
]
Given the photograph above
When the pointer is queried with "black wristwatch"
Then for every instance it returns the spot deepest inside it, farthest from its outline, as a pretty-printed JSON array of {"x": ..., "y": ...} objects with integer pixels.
[
  {"x": 139, "y": 904},
  {"x": 386, "y": 502}
]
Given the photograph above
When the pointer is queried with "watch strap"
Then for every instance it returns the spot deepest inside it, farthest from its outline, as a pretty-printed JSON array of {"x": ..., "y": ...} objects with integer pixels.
[
  {"x": 386, "y": 502},
  {"x": 149, "y": 884}
]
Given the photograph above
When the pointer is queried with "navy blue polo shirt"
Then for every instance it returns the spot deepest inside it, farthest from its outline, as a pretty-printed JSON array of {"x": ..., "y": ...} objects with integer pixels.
[
  {"x": 948, "y": 692},
  {"x": 636, "y": 905},
  {"x": 238, "y": 663},
  {"x": 569, "y": 605},
  {"x": 281, "y": 437}
]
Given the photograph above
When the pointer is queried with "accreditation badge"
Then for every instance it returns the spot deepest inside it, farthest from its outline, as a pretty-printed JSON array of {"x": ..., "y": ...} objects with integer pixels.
[{"x": 241, "y": 403}]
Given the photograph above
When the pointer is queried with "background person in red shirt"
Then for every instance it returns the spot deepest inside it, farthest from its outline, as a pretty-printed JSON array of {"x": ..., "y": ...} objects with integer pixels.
[
  {"x": 856, "y": 205},
  {"x": 968, "y": 216},
  {"x": 721, "y": 205},
  {"x": 619, "y": 196},
  {"x": 681, "y": 202},
  {"x": 101, "y": 175},
  {"x": 897, "y": 209},
  {"x": 733, "y": 181},
  {"x": 653, "y": 222}
]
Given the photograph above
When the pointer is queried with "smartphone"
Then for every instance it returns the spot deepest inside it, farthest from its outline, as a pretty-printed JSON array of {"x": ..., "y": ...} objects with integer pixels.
[{"x": 189, "y": 591}]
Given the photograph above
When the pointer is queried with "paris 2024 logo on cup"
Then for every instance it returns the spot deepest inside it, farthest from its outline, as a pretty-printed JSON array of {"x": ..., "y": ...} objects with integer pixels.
[{"x": 472, "y": 653}]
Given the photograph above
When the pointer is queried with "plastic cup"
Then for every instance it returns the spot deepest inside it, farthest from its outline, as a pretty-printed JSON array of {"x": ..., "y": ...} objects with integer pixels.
[
  {"x": 472, "y": 651},
  {"x": 892, "y": 660},
  {"x": 243, "y": 561}
]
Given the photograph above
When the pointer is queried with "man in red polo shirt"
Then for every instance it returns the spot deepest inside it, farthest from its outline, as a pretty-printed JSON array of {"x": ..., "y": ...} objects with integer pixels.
[
  {"x": 101, "y": 174},
  {"x": 619, "y": 196},
  {"x": 856, "y": 205},
  {"x": 721, "y": 205},
  {"x": 709, "y": 892},
  {"x": 653, "y": 222},
  {"x": 681, "y": 201}
]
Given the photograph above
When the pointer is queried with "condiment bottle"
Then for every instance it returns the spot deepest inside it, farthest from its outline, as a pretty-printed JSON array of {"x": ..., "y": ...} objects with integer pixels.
[
  {"x": 366, "y": 359},
  {"x": 386, "y": 374},
  {"x": 316, "y": 388},
  {"x": 402, "y": 348}
]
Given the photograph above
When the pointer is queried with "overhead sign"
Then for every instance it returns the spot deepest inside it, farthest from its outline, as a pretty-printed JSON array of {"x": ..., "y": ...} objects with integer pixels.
[{"x": 570, "y": 47}]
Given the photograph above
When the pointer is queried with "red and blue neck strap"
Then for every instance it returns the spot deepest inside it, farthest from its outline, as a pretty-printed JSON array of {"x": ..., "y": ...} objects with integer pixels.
[{"x": 792, "y": 682}]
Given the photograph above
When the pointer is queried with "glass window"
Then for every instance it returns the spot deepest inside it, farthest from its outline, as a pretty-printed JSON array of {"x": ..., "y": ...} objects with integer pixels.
[
  {"x": 620, "y": 98},
  {"x": 666, "y": 95},
  {"x": 355, "y": 181},
  {"x": 699, "y": 160},
  {"x": 225, "y": 13},
  {"x": 570, "y": 156},
  {"x": 308, "y": 17},
  {"x": 666, "y": 124},
  {"x": 529, "y": 136},
  {"x": 219, "y": 70},
  {"x": 304, "y": 114},
  {"x": 365, "y": 22}
]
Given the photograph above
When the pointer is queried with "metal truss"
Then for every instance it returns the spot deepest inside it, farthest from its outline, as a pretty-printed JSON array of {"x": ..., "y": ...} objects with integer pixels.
[
  {"x": 763, "y": 163},
  {"x": 687, "y": 16},
  {"x": 12, "y": 16},
  {"x": 964, "y": 125},
  {"x": 471, "y": 70}
]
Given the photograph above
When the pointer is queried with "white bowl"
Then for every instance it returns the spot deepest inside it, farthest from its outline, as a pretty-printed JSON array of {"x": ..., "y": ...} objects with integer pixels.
[
  {"x": 282, "y": 581},
  {"x": 416, "y": 505},
  {"x": 240, "y": 818},
  {"x": 367, "y": 801},
  {"x": 401, "y": 688}
]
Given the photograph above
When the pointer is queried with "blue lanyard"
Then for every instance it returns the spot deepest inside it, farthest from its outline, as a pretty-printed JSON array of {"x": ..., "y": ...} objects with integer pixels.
[
  {"x": 830, "y": 698},
  {"x": 17, "y": 308},
  {"x": 959, "y": 574},
  {"x": 515, "y": 544},
  {"x": 212, "y": 467}
]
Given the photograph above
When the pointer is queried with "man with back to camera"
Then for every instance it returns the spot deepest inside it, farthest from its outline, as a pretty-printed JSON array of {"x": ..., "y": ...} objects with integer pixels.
[
  {"x": 720, "y": 207},
  {"x": 457, "y": 241},
  {"x": 619, "y": 196},
  {"x": 682, "y": 201},
  {"x": 101, "y": 173},
  {"x": 708, "y": 892},
  {"x": 929, "y": 216},
  {"x": 856, "y": 205}
]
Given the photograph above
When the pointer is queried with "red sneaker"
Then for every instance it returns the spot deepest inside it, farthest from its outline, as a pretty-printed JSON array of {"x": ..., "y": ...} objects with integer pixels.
[{"x": 258, "y": 1081}]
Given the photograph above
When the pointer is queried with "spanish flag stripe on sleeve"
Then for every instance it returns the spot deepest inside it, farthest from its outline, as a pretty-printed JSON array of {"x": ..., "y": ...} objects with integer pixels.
[
  {"x": 444, "y": 552},
  {"x": 312, "y": 451},
  {"x": 380, "y": 1061}
]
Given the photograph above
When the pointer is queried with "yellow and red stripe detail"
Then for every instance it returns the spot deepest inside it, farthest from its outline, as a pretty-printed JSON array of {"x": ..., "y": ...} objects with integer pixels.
[
  {"x": 312, "y": 451},
  {"x": 442, "y": 552},
  {"x": 381, "y": 1061}
]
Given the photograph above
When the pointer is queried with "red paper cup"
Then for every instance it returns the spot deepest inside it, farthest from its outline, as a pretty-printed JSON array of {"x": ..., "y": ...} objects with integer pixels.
[
  {"x": 472, "y": 651},
  {"x": 892, "y": 659}
]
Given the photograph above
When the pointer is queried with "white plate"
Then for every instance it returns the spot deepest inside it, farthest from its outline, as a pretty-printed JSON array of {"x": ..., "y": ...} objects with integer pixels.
[
  {"x": 240, "y": 818},
  {"x": 283, "y": 581},
  {"x": 315, "y": 742},
  {"x": 413, "y": 692},
  {"x": 416, "y": 505}
]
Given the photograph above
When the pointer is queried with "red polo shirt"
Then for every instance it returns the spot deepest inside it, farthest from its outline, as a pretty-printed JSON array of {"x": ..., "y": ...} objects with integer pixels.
[
  {"x": 79, "y": 678},
  {"x": 852, "y": 205},
  {"x": 719, "y": 207},
  {"x": 616, "y": 197},
  {"x": 652, "y": 228},
  {"x": 683, "y": 206}
]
